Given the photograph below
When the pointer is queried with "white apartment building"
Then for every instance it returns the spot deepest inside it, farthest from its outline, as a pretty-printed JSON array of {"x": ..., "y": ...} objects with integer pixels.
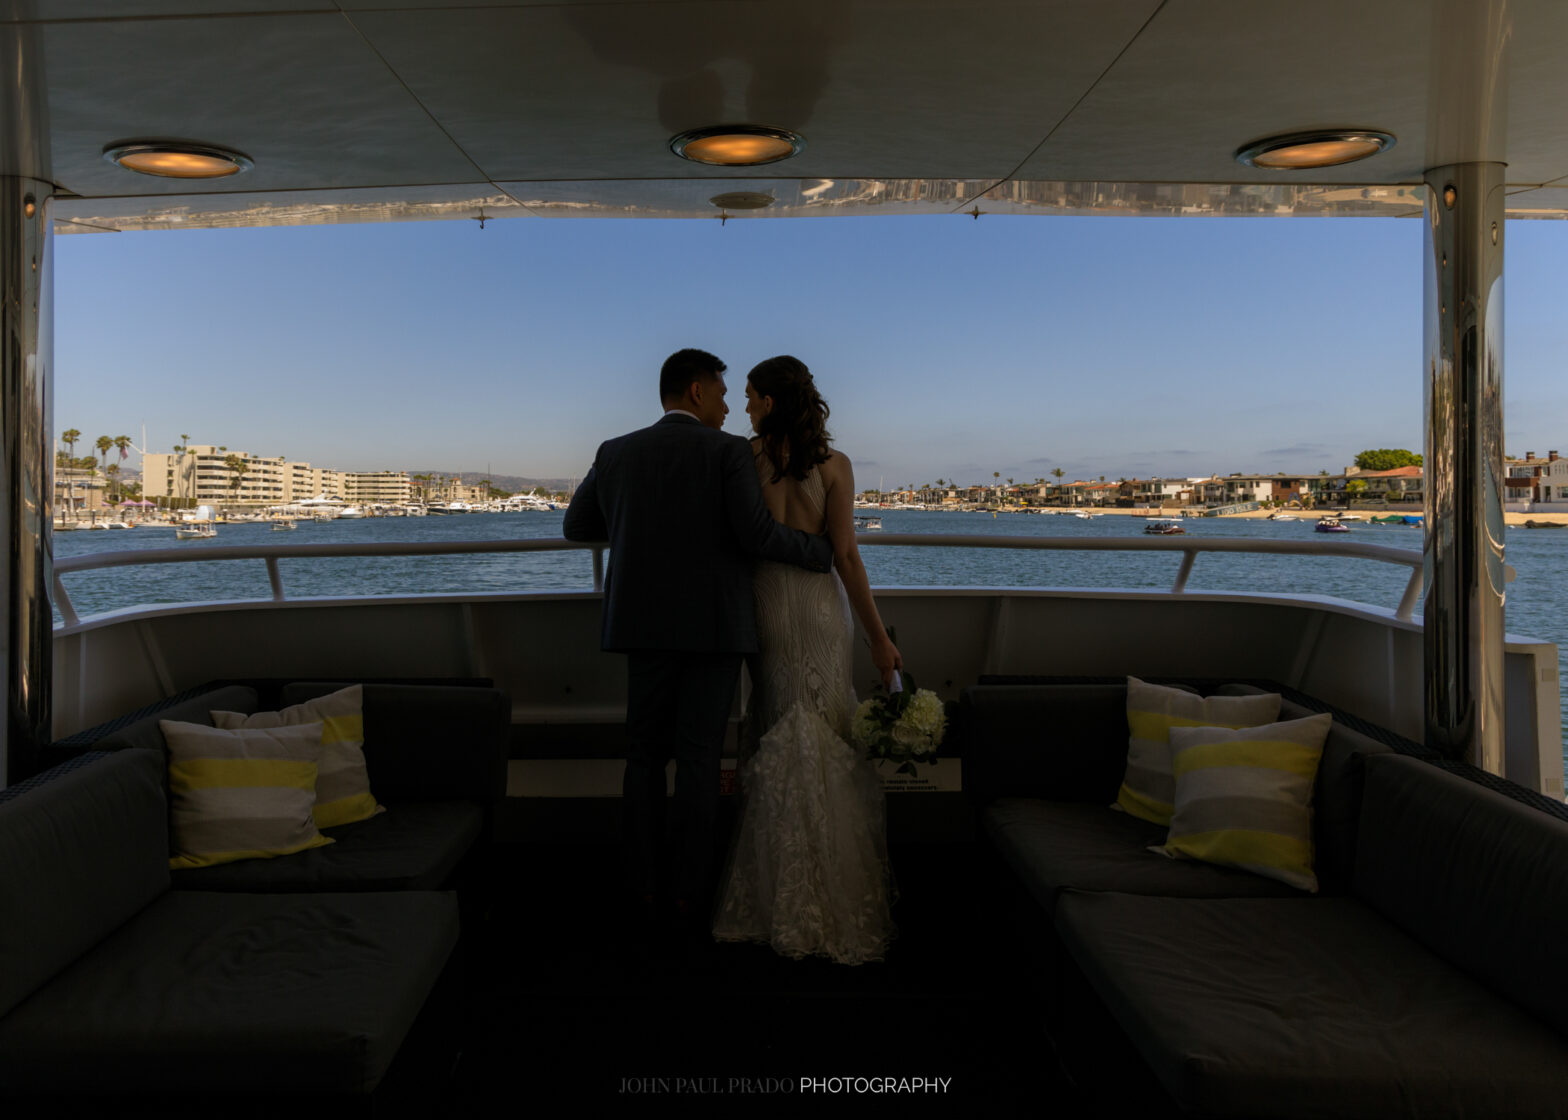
[
  {"x": 389, "y": 487},
  {"x": 201, "y": 475}
]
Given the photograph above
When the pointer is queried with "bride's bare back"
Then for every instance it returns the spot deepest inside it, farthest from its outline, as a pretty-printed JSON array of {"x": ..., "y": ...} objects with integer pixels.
[{"x": 792, "y": 502}]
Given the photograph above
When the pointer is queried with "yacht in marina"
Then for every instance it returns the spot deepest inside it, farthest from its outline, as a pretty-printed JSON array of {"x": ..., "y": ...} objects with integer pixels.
[{"x": 1442, "y": 112}]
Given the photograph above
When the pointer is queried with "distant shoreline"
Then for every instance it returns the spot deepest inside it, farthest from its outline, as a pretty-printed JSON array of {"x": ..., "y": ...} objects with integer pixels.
[{"x": 1509, "y": 518}]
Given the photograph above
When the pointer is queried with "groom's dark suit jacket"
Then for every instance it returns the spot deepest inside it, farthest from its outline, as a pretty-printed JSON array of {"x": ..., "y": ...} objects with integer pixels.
[{"x": 680, "y": 504}]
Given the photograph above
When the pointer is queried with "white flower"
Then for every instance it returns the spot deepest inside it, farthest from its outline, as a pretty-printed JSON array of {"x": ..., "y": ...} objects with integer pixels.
[
  {"x": 864, "y": 728},
  {"x": 926, "y": 715},
  {"x": 911, "y": 739}
]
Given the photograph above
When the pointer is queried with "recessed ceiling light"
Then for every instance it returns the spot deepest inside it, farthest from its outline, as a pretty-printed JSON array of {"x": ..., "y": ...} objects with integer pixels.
[
  {"x": 177, "y": 160},
  {"x": 1324, "y": 148},
  {"x": 737, "y": 145}
]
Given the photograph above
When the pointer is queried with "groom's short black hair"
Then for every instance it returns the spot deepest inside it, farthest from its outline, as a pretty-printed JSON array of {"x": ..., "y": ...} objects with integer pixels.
[{"x": 682, "y": 368}]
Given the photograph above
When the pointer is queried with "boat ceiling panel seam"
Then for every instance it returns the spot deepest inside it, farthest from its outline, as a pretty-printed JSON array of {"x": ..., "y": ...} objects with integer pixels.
[
  {"x": 415, "y": 98},
  {"x": 1071, "y": 109}
]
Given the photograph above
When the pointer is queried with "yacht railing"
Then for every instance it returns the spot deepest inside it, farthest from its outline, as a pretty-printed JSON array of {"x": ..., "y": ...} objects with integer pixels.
[{"x": 1189, "y": 548}]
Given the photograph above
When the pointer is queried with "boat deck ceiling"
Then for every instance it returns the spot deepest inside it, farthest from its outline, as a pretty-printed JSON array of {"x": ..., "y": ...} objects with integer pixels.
[{"x": 375, "y": 110}]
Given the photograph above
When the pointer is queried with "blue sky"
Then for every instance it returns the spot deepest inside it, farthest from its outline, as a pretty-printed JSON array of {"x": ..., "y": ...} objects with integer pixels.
[{"x": 947, "y": 347}]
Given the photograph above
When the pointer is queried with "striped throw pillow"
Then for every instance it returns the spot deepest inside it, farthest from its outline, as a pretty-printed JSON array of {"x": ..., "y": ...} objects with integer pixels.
[
  {"x": 1244, "y": 798},
  {"x": 343, "y": 785},
  {"x": 1148, "y": 791},
  {"x": 240, "y": 794}
]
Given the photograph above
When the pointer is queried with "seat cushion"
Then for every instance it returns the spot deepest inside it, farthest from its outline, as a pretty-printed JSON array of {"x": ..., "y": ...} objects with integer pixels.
[
  {"x": 412, "y": 846},
  {"x": 1148, "y": 788},
  {"x": 342, "y": 783},
  {"x": 1307, "y": 1007},
  {"x": 1474, "y": 875},
  {"x": 241, "y": 794},
  {"x": 142, "y": 730},
  {"x": 1244, "y": 798},
  {"x": 81, "y": 852},
  {"x": 1052, "y": 845},
  {"x": 229, "y": 992}
]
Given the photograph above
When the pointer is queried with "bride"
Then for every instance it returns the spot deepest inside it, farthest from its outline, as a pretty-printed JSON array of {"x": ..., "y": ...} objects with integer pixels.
[{"x": 808, "y": 871}]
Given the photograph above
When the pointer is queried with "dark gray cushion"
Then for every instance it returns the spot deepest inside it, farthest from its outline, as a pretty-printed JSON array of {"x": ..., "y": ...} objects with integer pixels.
[
  {"x": 1479, "y": 879},
  {"x": 79, "y": 855},
  {"x": 144, "y": 732},
  {"x": 1058, "y": 742},
  {"x": 236, "y": 993},
  {"x": 1307, "y": 1007},
  {"x": 429, "y": 742},
  {"x": 1053, "y": 845},
  {"x": 414, "y": 845}
]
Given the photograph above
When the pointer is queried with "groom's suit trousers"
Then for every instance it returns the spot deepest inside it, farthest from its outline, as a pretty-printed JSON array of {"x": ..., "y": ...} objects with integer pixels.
[{"x": 677, "y": 706}]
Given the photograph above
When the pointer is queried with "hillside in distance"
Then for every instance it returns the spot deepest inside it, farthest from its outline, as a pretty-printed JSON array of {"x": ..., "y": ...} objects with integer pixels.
[{"x": 511, "y": 483}]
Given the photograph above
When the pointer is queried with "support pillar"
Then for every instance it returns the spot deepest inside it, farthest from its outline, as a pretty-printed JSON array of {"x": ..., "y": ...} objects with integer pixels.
[
  {"x": 1463, "y": 613},
  {"x": 26, "y": 401}
]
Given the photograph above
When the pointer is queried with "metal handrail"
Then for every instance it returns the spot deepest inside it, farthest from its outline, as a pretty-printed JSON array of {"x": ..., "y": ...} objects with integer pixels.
[
  {"x": 1189, "y": 549},
  {"x": 272, "y": 553}
]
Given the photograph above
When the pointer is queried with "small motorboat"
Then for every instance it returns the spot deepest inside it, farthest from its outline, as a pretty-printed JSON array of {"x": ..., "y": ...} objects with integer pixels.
[
  {"x": 283, "y": 524},
  {"x": 1331, "y": 525},
  {"x": 1163, "y": 527},
  {"x": 1283, "y": 517},
  {"x": 195, "y": 532},
  {"x": 1546, "y": 524},
  {"x": 867, "y": 524}
]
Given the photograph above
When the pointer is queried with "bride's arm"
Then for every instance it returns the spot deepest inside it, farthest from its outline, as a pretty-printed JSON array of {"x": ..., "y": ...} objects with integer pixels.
[{"x": 838, "y": 477}]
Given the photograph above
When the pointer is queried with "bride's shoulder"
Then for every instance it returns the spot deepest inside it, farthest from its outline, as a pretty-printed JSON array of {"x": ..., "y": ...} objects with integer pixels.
[{"x": 836, "y": 464}]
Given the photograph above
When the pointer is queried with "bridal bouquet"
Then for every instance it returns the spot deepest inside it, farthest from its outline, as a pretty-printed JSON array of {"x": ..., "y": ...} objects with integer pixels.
[{"x": 905, "y": 726}]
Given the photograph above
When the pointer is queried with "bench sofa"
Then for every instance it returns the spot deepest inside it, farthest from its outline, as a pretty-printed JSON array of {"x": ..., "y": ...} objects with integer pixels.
[
  {"x": 115, "y": 985},
  {"x": 1421, "y": 979},
  {"x": 436, "y": 756},
  {"x": 258, "y": 985}
]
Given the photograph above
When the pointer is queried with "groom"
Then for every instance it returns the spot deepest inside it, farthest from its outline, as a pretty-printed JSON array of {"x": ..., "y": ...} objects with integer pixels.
[{"x": 680, "y": 504}]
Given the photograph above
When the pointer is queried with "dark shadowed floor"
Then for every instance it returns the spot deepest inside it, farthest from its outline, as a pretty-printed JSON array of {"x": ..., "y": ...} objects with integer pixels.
[{"x": 557, "y": 1015}]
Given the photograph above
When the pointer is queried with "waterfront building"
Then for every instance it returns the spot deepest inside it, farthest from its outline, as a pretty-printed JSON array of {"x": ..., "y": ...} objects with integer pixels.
[
  {"x": 78, "y": 491},
  {"x": 1554, "y": 478},
  {"x": 387, "y": 487},
  {"x": 202, "y": 475}
]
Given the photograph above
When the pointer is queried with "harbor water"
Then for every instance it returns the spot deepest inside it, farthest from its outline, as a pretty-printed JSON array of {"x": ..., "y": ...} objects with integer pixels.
[{"x": 1537, "y": 600}]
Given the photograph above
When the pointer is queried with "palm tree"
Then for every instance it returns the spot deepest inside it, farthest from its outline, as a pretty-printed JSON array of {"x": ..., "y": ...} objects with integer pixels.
[
  {"x": 112, "y": 473},
  {"x": 69, "y": 438},
  {"x": 179, "y": 470},
  {"x": 237, "y": 470}
]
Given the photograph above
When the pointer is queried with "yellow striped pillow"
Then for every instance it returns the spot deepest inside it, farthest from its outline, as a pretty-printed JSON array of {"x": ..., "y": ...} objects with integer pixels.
[
  {"x": 1244, "y": 798},
  {"x": 343, "y": 784},
  {"x": 1148, "y": 790},
  {"x": 240, "y": 794}
]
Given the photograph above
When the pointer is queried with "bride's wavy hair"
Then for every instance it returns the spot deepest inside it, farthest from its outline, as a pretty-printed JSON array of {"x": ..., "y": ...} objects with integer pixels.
[{"x": 795, "y": 434}]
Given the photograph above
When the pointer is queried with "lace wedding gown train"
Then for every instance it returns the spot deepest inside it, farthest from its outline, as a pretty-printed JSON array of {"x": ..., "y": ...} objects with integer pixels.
[{"x": 808, "y": 871}]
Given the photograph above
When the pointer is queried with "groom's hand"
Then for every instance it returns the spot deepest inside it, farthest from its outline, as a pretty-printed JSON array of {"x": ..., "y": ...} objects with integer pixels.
[{"x": 821, "y": 552}]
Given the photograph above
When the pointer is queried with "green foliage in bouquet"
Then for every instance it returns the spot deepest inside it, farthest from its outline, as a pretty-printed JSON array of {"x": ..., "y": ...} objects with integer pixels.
[{"x": 906, "y": 726}]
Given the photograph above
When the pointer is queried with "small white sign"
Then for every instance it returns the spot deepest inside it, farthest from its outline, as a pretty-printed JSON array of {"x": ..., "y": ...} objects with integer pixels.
[{"x": 945, "y": 776}]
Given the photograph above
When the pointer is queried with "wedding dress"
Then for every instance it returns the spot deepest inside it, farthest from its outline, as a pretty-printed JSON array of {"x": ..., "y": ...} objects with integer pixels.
[{"x": 808, "y": 872}]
